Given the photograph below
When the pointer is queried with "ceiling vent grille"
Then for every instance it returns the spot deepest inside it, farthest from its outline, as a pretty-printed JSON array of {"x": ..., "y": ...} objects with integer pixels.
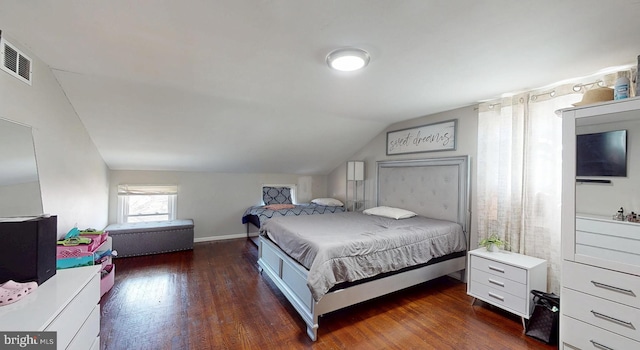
[{"x": 15, "y": 62}]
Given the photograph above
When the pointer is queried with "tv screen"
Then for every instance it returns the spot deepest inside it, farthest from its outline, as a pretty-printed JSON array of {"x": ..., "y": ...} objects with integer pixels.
[{"x": 602, "y": 154}]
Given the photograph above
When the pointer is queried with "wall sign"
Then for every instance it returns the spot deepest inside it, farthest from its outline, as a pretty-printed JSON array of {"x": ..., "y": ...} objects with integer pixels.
[{"x": 426, "y": 138}]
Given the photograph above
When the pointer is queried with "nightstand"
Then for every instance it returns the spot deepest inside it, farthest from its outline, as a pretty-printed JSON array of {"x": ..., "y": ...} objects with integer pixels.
[{"x": 505, "y": 279}]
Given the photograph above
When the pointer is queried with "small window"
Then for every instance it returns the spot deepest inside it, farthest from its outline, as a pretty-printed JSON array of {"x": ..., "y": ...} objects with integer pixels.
[{"x": 138, "y": 203}]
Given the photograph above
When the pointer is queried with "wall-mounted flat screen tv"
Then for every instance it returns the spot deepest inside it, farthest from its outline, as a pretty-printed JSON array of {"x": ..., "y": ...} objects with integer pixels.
[{"x": 602, "y": 154}]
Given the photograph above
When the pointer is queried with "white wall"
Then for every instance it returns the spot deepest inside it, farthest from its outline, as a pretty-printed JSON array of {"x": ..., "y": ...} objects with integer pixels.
[
  {"x": 375, "y": 150},
  {"x": 73, "y": 177},
  {"x": 215, "y": 201}
]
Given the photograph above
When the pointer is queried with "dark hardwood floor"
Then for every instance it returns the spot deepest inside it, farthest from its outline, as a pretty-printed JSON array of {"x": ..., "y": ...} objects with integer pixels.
[{"x": 214, "y": 298}]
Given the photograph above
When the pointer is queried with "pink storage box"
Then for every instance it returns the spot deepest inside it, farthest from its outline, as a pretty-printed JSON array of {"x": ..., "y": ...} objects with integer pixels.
[
  {"x": 99, "y": 236},
  {"x": 80, "y": 249},
  {"x": 107, "y": 281}
]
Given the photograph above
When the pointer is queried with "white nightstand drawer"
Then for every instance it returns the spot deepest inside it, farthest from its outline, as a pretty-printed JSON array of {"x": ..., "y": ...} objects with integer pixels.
[
  {"x": 499, "y": 298},
  {"x": 614, "y": 317},
  {"x": 499, "y": 269},
  {"x": 619, "y": 287},
  {"x": 584, "y": 336},
  {"x": 498, "y": 282}
]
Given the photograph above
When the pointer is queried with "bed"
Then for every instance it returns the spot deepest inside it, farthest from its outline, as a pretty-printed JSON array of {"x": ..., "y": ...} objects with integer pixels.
[
  {"x": 258, "y": 215},
  {"x": 278, "y": 202},
  {"x": 435, "y": 189}
]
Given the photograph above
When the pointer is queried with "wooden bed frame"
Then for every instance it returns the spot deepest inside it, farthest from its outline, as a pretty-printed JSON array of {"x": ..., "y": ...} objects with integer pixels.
[{"x": 436, "y": 188}]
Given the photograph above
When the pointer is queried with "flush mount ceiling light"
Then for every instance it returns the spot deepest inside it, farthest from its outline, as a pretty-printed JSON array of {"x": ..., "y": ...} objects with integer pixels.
[{"x": 348, "y": 60}]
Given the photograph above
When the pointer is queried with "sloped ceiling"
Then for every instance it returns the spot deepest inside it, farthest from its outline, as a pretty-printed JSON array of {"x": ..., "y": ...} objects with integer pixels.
[{"x": 242, "y": 86}]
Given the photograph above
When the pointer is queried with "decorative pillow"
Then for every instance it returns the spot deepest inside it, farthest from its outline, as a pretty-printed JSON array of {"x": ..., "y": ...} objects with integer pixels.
[
  {"x": 389, "y": 212},
  {"x": 276, "y": 195},
  {"x": 330, "y": 202},
  {"x": 279, "y": 206}
]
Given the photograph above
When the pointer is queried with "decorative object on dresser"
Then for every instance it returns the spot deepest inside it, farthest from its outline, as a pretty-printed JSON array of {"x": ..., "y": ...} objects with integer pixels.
[
  {"x": 67, "y": 303},
  {"x": 505, "y": 279},
  {"x": 355, "y": 186},
  {"x": 600, "y": 287}
]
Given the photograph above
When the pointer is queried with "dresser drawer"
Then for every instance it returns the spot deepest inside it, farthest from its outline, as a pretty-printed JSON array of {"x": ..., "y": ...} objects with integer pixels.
[
  {"x": 611, "y": 316},
  {"x": 580, "y": 335},
  {"x": 500, "y": 298},
  {"x": 88, "y": 333},
  {"x": 74, "y": 314},
  {"x": 499, "y": 283},
  {"x": 499, "y": 269},
  {"x": 615, "y": 286}
]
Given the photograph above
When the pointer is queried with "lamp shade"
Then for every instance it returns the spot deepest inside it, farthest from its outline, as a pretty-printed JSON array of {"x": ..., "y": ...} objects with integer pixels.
[{"x": 355, "y": 170}]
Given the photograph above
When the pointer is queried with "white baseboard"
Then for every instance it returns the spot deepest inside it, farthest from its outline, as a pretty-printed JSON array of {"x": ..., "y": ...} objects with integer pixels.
[{"x": 219, "y": 238}]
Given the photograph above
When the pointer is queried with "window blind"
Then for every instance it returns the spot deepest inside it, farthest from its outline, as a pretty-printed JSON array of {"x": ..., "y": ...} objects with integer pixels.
[{"x": 133, "y": 190}]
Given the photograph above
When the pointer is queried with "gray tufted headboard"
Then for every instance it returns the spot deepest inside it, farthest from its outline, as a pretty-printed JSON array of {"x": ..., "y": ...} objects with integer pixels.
[{"x": 437, "y": 187}]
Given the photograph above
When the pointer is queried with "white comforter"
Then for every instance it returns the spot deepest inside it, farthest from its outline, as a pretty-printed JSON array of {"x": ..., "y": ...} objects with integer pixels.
[{"x": 346, "y": 247}]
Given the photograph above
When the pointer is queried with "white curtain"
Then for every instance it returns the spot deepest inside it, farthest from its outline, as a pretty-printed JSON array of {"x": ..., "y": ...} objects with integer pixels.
[{"x": 519, "y": 170}]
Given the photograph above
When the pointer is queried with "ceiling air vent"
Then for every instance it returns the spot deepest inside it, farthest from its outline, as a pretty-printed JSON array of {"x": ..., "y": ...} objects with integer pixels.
[{"x": 15, "y": 62}]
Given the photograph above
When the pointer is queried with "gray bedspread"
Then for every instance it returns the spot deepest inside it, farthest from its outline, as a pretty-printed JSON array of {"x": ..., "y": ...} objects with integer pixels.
[{"x": 346, "y": 247}]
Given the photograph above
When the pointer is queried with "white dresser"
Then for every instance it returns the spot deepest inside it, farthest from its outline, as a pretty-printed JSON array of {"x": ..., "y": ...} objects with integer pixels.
[
  {"x": 600, "y": 294},
  {"x": 67, "y": 303},
  {"x": 506, "y": 279}
]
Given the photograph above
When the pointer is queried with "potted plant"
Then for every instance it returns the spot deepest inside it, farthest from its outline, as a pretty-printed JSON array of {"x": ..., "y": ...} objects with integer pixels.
[{"x": 493, "y": 243}]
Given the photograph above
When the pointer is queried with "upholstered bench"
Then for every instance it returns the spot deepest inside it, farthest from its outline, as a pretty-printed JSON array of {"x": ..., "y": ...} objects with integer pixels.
[{"x": 154, "y": 237}]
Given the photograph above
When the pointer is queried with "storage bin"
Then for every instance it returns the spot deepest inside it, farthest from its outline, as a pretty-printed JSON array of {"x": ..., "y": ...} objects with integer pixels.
[
  {"x": 75, "y": 261},
  {"x": 106, "y": 282},
  {"x": 63, "y": 251},
  {"x": 97, "y": 236}
]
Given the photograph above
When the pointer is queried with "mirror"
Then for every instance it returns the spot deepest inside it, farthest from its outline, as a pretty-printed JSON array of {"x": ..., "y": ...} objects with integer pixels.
[{"x": 19, "y": 185}]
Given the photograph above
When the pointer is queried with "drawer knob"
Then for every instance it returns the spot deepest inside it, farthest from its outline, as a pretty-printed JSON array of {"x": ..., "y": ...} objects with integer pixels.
[
  {"x": 613, "y": 319},
  {"x": 496, "y": 269},
  {"x": 615, "y": 289},
  {"x": 600, "y": 346}
]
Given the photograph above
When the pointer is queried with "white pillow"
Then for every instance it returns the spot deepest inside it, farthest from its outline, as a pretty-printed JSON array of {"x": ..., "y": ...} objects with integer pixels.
[
  {"x": 330, "y": 202},
  {"x": 389, "y": 212}
]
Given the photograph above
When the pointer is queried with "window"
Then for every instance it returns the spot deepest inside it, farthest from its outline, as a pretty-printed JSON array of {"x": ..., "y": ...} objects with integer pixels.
[{"x": 138, "y": 203}]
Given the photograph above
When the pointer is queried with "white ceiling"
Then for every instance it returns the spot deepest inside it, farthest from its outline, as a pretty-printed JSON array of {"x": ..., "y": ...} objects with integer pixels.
[{"x": 242, "y": 85}]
